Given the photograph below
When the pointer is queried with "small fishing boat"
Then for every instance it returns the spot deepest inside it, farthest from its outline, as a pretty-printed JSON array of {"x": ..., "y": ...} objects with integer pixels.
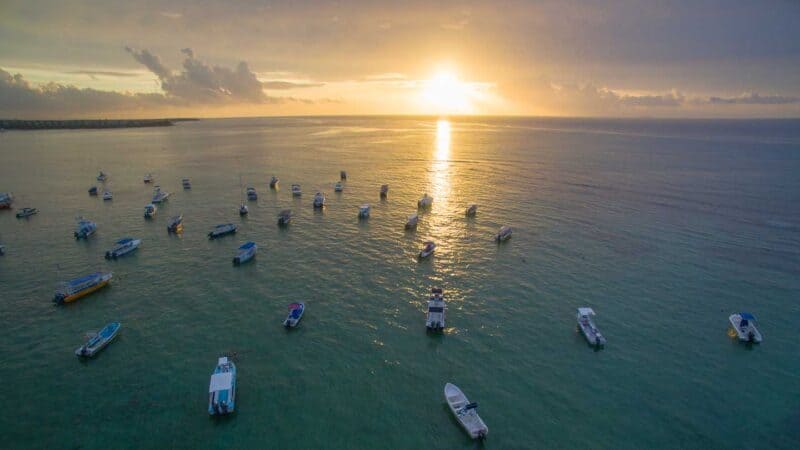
[
  {"x": 175, "y": 224},
  {"x": 243, "y": 210},
  {"x": 150, "y": 211},
  {"x": 102, "y": 177},
  {"x": 123, "y": 247},
  {"x": 98, "y": 341},
  {"x": 85, "y": 228},
  {"x": 221, "y": 230},
  {"x": 472, "y": 210},
  {"x": 338, "y": 187},
  {"x": 273, "y": 182},
  {"x": 222, "y": 388},
  {"x": 72, "y": 290},
  {"x": 107, "y": 195},
  {"x": 465, "y": 412},
  {"x": 504, "y": 234},
  {"x": 93, "y": 190},
  {"x": 148, "y": 178},
  {"x": 425, "y": 202},
  {"x": 411, "y": 223},
  {"x": 319, "y": 200},
  {"x": 744, "y": 324},
  {"x": 251, "y": 193},
  {"x": 588, "y": 329},
  {"x": 436, "y": 307},
  {"x": 2, "y": 249},
  {"x": 159, "y": 195},
  {"x": 296, "y": 191},
  {"x": 6, "y": 199},
  {"x": 296, "y": 311},
  {"x": 27, "y": 212},
  {"x": 186, "y": 183},
  {"x": 343, "y": 175},
  {"x": 384, "y": 190},
  {"x": 285, "y": 217},
  {"x": 246, "y": 252},
  {"x": 427, "y": 249},
  {"x": 363, "y": 211}
]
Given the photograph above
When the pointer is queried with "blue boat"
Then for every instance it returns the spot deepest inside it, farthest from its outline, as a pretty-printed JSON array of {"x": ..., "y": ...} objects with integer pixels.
[
  {"x": 99, "y": 340},
  {"x": 246, "y": 252},
  {"x": 85, "y": 228},
  {"x": 222, "y": 230},
  {"x": 222, "y": 388},
  {"x": 123, "y": 247},
  {"x": 296, "y": 311},
  {"x": 72, "y": 290}
]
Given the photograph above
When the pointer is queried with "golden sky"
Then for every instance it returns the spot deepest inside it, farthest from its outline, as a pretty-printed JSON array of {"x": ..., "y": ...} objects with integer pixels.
[{"x": 715, "y": 58}]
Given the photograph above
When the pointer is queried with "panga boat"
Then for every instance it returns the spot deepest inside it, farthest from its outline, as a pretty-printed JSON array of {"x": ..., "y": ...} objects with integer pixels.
[
  {"x": 251, "y": 193},
  {"x": 338, "y": 187},
  {"x": 222, "y": 230},
  {"x": 93, "y": 190},
  {"x": 159, "y": 195},
  {"x": 243, "y": 210},
  {"x": 85, "y": 228},
  {"x": 148, "y": 178},
  {"x": 123, "y": 247},
  {"x": 319, "y": 200},
  {"x": 175, "y": 224},
  {"x": 27, "y": 212},
  {"x": 98, "y": 341},
  {"x": 222, "y": 388},
  {"x": 150, "y": 210},
  {"x": 102, "y": 176},
  {"x": 107, "y": 195},
  {"x": 466, "y": 413},
  {"x": 363, "y": 211},
  {"x": 472, "y": 210},
  {"x": 343, "y": 175},
  {"x": 187, "y": 183},
  {"x": 296, "y": 311},
  {"x": 744, "y": 324},
  {"x": 245, "y": 253},
  {"x": 411, "y": 223},
  {"x": 273, "y": 182},
  {"x": 425, "y": 202},
  {"x": 427, "y": 249},
  {"x": 6, "y": 199},
  {"x": 285, "y": 217},
  {"x": 296, "y": 191},
  {"x": 384, "y": 190},
  {"x": 74, "y": 289},
  {"x": 588, "y": 329},
  {"x": 436, "y": 308},
  {"x": 504, "y": 234}
]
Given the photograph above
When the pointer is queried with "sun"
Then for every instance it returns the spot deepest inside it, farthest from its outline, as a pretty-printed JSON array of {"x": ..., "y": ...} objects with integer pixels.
[{"x": 444, "y": 93}]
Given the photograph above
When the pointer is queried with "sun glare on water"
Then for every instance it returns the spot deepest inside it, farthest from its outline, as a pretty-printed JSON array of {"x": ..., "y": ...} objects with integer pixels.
[{"x": 444, "y": 93}]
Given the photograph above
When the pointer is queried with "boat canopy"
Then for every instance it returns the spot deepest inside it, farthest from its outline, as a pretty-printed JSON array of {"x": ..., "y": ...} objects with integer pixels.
[
  {"x": 221, "y": 381},
  {"x": 435, "y": 309},
  {"x": 747, "y": 316},
  {"x": 586, "y": 311},
  {"x": 247, "y": 245},
  {"x": 125, "y": 240},
  {"x": 84, "y": 279}
]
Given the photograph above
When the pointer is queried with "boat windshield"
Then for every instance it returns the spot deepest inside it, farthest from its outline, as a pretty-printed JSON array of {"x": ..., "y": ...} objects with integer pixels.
[{"x": 436, "y": 309}]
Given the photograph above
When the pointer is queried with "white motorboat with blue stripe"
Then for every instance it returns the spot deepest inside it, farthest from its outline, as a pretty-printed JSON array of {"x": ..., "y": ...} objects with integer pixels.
[
  {"x": 222, "y": 388},
  {"x": 98, "y": 341},
  {"x": 246, "y": 252},
  {"x": 296, "y": 311},
  {"x": 221, "y": 230},
  {"x": 123, "y": 247},
  {"x": 85, "y": 228}
]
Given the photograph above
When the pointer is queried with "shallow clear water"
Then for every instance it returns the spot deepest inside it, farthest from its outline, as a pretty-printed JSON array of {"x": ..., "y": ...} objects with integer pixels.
[{"x": 663, "y": 227}]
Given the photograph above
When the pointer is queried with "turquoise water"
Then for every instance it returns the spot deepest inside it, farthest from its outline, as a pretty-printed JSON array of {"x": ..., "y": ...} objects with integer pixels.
[{"x": 663, "y": 227}]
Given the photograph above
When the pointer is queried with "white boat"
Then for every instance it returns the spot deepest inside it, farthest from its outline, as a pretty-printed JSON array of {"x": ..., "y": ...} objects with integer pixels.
[
  {"x": 285, "y": 217},
  {"x": 150, "y": 211},
  {"x": 251, "y": 193},
  {"x": 159, "y": 195},
  {"x": 296, "y": 191},
  {"x": 148, "y": 178},
  {"x": 273, "y": 182},
  {"x": 246, "y": 252},
  {"x": 436, "y": 307},
  {"x": 425, "y": 202},
  {"x": 411, "y": 223},
  {"x": 98, "y": 341},
  {"x": 296, "y": 311},
  {"x": 319, "y": 200},
  {"x": 222, "y": 388},
  {"x": 504, "y": 234},
  {"x": 187, "y": 183},
  {"x": 472, "y": 210},
  {"x": 85, "y": 228},
  {"x": 102, "y": 176},
  {"x": 222, "y": 230},
  {"x": 123, "y": 247},
  {"x": 363, "y": 211},
  {"x": 338, "y": 187},
  {"x": 427, "y": 249},
  {"x": 107, "y": 195},
  {"x": 384, "y": 190},
  {"x": 744, "y": 324},
  {"x": 465, "y": 412},
  {"x": 343, "y": 175},
  {"x": 175, "y": 224},
  {"x": 243, "y": 210},
  {"x": 7, "y": 198},
  {"x": 588, "y": 329}
]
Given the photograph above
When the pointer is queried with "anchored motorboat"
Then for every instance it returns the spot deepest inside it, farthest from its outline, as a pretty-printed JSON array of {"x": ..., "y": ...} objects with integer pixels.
[
  {"x": 472, "y": 210},
  {"x": 363, "y": 211},
  {"x": 343, "y": 175},
  {"x": 159, "y": 195},
  {"x": 425, "y": 202},
  {"x": 338, "y": 187},
  {"x": 411, "y": 223},
  {"x": 504, "y": 234},
  {"x": 27, "y": 212},
  {"x": 296, "y": 311},
  {"x": 102, "y": 177},
  {"x": 427, "y": 249},
  {"x": 72, "y": 290},
  {"x": 466, "y": 413},
  {"x": 6, "y": 199},
  {"x": 222, "y": 388},
  {"x": 243, "y": 210},
  {"x": 436, "y": 307},
  {"x": 150, "y": 211},
  {"x": 175, "y": 224},
  {"x": 123, "y": 247},
  {"x": 148, "y": 178},
  {"x": 319, "y": 200},
  {"x": 93, "y": 190},
  {"x": 98, "y": 341},
  {"x": 588, "y": 329},
  {"x": 744, "y": 324},
  {"x": 296, "y": 191},
  {"x": 107, "y": 195},
  {"x": 221, "y": 230},
  {"x": 384, "y": 190},
  {"x": 285, "y": 217},
  {"x": 85, "y": 228},
  {"x": 273, "y": 182},
  {"x": 187, "y": 183},
  {"x": 245, "y": 253},
  {"x": 251, "y": 193}
]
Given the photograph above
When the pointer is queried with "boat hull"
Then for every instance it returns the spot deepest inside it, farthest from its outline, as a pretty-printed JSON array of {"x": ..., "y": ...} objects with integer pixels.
[
  {"x": 71, "y": 298},
  {"x": 89, "y": 352}
]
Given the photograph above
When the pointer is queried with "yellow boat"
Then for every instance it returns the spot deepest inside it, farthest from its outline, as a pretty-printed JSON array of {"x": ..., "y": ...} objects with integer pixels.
[{"x": 79, "y": 287}]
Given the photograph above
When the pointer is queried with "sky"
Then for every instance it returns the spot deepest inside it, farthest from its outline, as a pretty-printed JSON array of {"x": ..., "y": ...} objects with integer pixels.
[{"x": 206, "y": 58}]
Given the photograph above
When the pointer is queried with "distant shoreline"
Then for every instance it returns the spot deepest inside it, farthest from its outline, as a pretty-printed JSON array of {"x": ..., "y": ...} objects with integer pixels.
[{"x": 87, "y": 124}]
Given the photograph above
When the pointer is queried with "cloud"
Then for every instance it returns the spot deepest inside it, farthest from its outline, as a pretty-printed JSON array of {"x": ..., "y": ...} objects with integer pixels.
[
  {"x": 281, "y": 85},
  {"x": 754, "y": 98},
  {"x": 150, "y": 61},
  {"x": 93, "y": 74},
  {"x": 171, "y": 15}
]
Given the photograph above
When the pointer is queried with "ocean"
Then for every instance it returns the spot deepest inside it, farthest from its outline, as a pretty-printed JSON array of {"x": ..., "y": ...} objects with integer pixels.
[{"x": 663, "y": 227}]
